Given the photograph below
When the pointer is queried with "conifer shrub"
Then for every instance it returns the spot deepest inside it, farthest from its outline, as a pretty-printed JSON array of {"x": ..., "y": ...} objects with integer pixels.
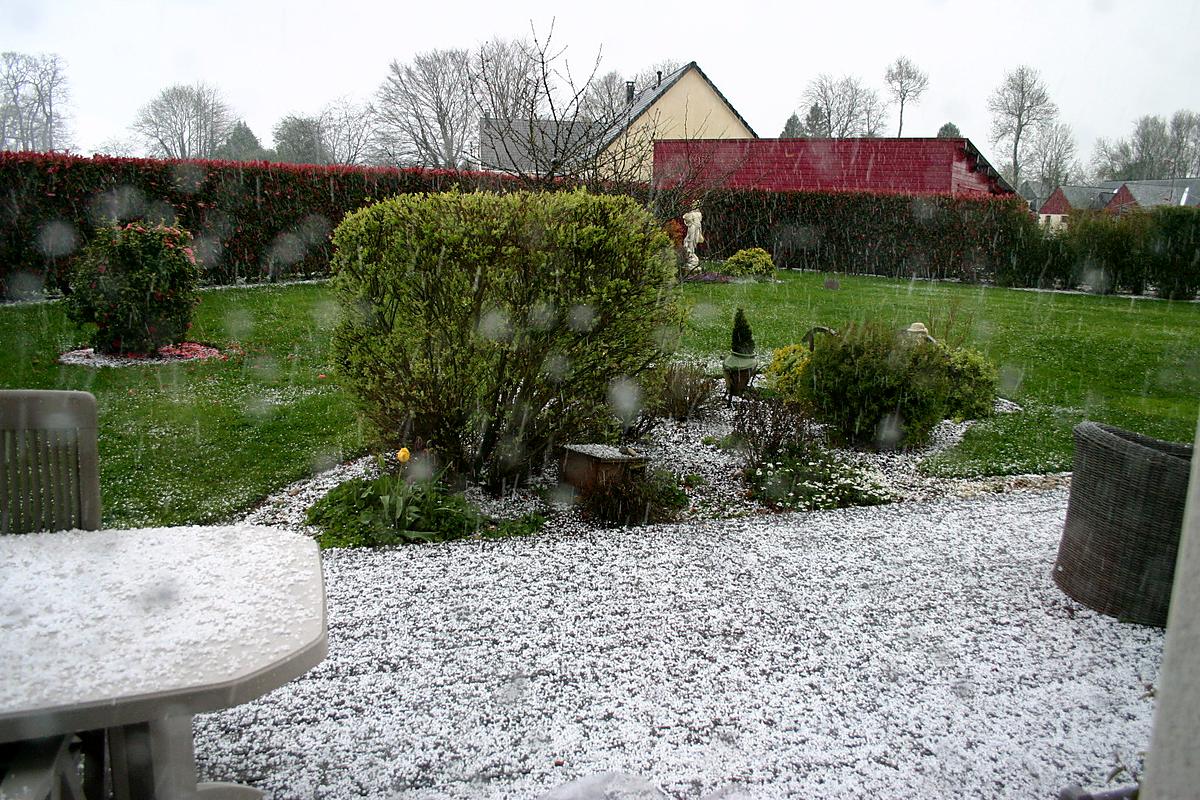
[
  {"x": 742, "y": 339},
  {"x": 137, "y": 284},
  {"x": 490, "y": 328}
]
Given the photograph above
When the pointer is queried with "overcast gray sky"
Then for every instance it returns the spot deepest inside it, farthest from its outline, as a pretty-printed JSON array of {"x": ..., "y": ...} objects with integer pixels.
[{"x": 1105, "y": 62}]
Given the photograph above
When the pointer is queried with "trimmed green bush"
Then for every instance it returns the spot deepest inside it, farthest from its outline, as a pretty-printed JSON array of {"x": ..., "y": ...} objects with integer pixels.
[
  {"x": 137, "y": 285},
  {"x": 491, "y": 327},
  {"x": 877, "y": 388},
  {"x": 646, "y": 498},
  {"x": 753, "y": 262}
]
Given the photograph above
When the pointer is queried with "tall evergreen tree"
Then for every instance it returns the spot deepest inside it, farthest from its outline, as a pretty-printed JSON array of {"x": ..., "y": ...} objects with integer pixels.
[
  {"x": 949, "y": 131},
  {"x": 792, "y": 129}
]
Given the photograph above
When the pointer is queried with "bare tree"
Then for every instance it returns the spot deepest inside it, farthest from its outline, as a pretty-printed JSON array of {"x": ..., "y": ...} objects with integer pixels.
[
  {"x": 906, "y": 83},
  {"x": 1052, "y": 156},
  {"x": 1020, "y": 104},
  {"x": 562, "y": 126},
  {"x": 846, "y": 106},
  {"x": 606, "y": 96},
  {"x": 347, "y": 129},
  {"x": 424, "y": 114},
  {"x": 33, "y": 95},
  {"x": 1156, "y": 149},
  {"x": 185, "y": 122},
  {"x": 1185, "y": 144}
]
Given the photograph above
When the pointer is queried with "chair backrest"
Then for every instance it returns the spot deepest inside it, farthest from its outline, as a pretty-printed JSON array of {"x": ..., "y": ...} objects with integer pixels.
[{"x": 49, "y": 469}]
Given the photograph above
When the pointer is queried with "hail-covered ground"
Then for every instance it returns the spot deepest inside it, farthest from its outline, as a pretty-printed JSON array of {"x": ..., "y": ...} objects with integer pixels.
[{"x": 918, "y": 649}]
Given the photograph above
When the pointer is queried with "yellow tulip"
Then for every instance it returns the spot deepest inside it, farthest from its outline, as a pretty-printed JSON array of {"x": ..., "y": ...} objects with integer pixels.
[{"x": 402, "y": 455}]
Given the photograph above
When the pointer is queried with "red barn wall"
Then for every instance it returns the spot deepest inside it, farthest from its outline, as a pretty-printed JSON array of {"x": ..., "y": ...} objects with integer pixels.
[
  {"x": 1056, "y": 203},
  {"x": 888, "y": 165},
  {"x": 1122, "y": 200}
]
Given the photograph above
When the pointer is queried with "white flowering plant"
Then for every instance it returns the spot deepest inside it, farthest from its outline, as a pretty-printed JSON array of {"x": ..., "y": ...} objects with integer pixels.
[{"x": 812, "y": 480}]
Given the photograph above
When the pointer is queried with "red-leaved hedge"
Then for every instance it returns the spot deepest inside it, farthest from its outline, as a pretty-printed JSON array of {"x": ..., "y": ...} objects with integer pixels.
[{"x": 251, "y": 221}]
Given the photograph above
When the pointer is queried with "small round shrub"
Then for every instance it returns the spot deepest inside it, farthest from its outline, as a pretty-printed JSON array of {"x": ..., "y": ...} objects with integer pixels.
[
  {"x": 753, "y": 262},
  {"x": 876, "y": 388},
  {"x": 785, "y": 373},
  {"x": 636, "y": 499},
  {"x": 138, "y": 285},
  {"x": 972, "y": 384}
]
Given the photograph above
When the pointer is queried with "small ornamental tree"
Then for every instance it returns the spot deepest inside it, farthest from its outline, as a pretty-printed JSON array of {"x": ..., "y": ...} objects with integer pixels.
[
  {"x": 489, "y": 328},
  {"x": 137, "y": 285}
]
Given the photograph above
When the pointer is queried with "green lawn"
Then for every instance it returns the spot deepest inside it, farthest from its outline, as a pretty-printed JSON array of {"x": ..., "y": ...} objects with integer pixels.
[
  {"x": 1065, "y": 357},
  {"x": 199, "y": 442}
]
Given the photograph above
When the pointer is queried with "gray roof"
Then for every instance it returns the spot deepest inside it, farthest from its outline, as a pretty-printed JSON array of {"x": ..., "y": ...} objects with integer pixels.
[
  {"x": 526, "y": 146},
  {"x": 1089, "y": 197},
  {"x": 1148, "y": 194}
]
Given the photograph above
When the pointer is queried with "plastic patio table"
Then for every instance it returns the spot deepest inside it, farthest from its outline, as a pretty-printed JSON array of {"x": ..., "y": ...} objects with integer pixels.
[{"x": 133, "y": 632}]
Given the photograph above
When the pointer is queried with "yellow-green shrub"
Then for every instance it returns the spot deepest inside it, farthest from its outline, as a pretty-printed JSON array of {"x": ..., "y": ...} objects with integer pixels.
[
  {"x": 785, "y": 373},
  {"x": 753, "y": 262},
  {"x": 491, "y": 327}
]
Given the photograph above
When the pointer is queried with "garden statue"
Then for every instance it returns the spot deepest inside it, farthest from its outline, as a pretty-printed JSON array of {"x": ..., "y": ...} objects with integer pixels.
[
  {"x": 917, "y": 332},
  {"x": 694, "y": 236}
]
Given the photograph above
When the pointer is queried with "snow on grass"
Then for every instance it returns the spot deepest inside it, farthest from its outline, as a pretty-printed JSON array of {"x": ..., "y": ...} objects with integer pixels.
[{"x": 912, "y": 650}]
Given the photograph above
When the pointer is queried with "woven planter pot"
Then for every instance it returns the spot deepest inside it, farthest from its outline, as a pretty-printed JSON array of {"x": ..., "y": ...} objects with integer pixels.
[{"x": 1124, "y": 517}]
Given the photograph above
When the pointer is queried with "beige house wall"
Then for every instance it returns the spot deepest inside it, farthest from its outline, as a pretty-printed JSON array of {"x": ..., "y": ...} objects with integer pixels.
[{"x": 690, "y": 109}]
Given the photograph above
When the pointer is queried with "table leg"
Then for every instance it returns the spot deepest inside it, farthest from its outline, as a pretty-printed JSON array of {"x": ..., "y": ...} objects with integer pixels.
[{"x": 155, "y": 761}]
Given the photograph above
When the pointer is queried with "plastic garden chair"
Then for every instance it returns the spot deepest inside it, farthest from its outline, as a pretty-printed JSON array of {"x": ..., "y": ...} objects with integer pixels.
[
  {"x": 49, "y": 481},
  {"x": 49, "y": 471}
]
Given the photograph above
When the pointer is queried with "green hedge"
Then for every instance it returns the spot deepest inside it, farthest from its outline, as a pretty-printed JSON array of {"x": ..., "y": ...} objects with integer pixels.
[
  {"x": 251, "y": 221},
  {"x": 490, "y": 328},
  {"x": 1108, "y": 253},
  {"x": 898, "y": 235}
]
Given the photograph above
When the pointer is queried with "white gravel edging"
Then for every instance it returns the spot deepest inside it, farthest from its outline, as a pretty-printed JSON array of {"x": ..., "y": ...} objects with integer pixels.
[{"x": 911, "y": 650}]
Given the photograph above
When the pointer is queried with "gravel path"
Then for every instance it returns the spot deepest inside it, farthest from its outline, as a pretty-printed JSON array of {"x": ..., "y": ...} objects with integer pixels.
[{"x": 912, "y": 650}]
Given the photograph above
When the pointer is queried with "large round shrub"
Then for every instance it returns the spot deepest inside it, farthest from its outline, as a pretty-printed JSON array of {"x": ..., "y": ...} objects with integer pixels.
[
  {"x": 491, "y": 327},
  {"x": 876, "y": 387},
  {"x": 138, "y": 285}
]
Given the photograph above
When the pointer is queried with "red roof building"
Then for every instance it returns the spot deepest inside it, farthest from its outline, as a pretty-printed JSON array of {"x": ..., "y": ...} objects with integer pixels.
[{"x": 943, "y": 166}]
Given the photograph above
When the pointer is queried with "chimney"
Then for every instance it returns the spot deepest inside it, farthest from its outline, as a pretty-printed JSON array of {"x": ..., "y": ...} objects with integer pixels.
[
  {"x": 629, "y": 92},
  {"x": 659, "y": 80}
]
